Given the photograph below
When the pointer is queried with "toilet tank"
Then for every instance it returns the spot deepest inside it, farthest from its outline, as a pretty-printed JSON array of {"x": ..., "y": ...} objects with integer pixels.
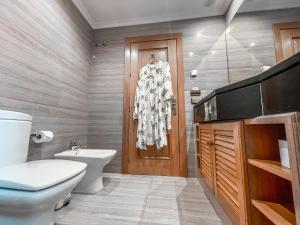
[{"x": 15, "y": 130}]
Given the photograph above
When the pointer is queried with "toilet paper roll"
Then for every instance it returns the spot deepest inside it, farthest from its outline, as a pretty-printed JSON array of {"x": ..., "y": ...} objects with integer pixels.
[{"x": 42, "y": 136}]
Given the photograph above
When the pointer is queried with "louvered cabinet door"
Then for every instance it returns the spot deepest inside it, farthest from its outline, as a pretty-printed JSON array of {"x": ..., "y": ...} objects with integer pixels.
[
  {"x": 230, "y": 188},
  {"x": 206, "y": 154}
]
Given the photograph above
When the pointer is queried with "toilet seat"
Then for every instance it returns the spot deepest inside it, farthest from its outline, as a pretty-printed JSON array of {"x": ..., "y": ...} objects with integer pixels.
[{"x": 38, "y": 175}]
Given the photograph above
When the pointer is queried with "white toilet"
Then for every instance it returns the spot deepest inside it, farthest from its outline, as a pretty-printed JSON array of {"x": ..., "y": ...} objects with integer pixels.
[
  {"x": 30, "y": 190},
  {"x": 96, "y": 159}
]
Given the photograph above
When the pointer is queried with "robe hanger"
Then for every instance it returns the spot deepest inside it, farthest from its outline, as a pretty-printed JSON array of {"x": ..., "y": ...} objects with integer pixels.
[{"x": 153, "y": 59}]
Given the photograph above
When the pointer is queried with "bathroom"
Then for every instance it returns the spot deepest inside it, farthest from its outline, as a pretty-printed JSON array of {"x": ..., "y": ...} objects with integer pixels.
[{"x": 68, "y": 81}]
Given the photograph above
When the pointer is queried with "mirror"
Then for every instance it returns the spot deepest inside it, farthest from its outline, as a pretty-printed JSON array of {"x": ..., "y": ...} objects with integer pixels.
[{"x": 262, "y": 34}]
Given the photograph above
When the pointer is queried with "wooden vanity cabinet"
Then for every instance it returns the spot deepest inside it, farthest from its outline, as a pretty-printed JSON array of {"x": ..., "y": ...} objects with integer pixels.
[
  {"x": 222, "y": 165},
  {"x": 240, "y": 162}
]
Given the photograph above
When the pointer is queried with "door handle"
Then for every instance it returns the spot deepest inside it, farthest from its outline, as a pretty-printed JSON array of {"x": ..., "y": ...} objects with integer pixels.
[{"x": 173, "y": 106}]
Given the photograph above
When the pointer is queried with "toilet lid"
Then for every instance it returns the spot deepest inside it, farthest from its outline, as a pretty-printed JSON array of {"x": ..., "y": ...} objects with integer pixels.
[
  {"x": 10, "y": 115},
  {"x": 38, "y": 175}
]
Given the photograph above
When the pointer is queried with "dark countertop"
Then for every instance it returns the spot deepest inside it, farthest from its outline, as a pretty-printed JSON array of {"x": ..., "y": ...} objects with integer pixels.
[{"x": 256, "y": 79}]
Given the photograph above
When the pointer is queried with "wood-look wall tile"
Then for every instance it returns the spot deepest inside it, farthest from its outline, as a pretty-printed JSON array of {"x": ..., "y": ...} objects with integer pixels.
[
  {"x": 47, "y": 68},
  {"x": 45, "y": 56}
]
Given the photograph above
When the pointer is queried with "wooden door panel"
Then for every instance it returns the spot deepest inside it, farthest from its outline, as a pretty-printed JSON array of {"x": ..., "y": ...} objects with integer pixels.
[
  {"x": 290, "y": 42},
  {"x": 206, "y": 155},
  {"x": 226, "y": 172},
  {"x": 160, "y": 50},
  {"x": 287, "y": 39},
  {"x": 145, "y": 55},
  {"x": 153, "y": 161},
  {"x": 296, "y": 44},
  {"x": 229, "y": 173}
]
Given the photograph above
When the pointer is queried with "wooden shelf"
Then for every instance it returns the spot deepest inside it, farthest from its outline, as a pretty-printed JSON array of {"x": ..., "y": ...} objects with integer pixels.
[
  {"x": 271, "y": 119},
  {"x": 275, "y": 212},
  {"x": 272, "y": 167}
]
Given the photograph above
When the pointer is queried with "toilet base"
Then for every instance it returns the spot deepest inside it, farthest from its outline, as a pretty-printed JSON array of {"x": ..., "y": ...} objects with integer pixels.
[{"x": 45, "y": 217}]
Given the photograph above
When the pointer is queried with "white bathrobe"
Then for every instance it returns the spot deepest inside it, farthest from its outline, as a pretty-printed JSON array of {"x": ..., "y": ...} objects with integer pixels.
[{"x": 152, "y": 106}]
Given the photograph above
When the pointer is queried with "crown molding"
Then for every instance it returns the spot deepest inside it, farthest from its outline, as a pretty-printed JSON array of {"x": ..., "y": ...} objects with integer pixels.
[
  {"x": 146, "y": 20},
  {"x": 84, "y": 12}
]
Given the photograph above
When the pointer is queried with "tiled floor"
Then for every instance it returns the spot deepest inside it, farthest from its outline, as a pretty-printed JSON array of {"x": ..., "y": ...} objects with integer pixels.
[{"x": 141, "y": 200}]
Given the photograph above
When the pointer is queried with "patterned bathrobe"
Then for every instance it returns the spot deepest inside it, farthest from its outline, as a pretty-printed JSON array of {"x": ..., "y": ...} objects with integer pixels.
[{"x": 152, "y": 106}]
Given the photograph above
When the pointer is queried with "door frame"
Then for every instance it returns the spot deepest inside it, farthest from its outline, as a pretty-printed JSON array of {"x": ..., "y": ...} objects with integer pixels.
[
  {"x": 277, "y": 37},
  {"x": 181, "y": 99}
]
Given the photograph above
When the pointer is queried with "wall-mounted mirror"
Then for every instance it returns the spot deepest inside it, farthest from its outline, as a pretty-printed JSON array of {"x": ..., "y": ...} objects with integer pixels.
[{"x": 262, "y": 34}]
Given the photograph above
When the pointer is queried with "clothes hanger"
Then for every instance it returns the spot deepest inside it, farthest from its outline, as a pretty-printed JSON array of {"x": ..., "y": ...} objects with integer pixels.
[{"x": 153, "y": 59}]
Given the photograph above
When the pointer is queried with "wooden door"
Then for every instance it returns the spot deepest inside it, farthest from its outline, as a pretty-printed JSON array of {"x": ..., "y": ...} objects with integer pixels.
[
  {"x": 206, "y": 155},
  {"x": 287, "y": 40},
  {"x": 166, "y": 161},
  {"x": 230, "y": 175}
]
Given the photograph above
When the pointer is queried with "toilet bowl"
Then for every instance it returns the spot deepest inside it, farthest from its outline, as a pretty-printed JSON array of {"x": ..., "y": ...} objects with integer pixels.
[
  {"x": 96, "y": 159},
  {"x": 30, "y": 190}
]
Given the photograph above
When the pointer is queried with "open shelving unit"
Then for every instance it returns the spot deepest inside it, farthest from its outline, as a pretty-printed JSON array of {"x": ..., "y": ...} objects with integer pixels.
[
  {"x": 274, "y": 190},
  {"x": 272, "y": 212},
  {"x": 271, "y": 166},
  {"x": 275, "y": 212}
]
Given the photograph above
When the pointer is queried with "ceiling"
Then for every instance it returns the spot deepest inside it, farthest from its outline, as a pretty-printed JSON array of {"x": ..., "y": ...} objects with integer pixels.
[
  {"x": 115, "y": 13},
  {"x": 260, "y": 5}
]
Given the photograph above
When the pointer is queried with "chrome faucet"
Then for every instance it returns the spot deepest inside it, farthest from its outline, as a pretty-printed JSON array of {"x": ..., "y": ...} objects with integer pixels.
[{"x": 74, "y": 145}]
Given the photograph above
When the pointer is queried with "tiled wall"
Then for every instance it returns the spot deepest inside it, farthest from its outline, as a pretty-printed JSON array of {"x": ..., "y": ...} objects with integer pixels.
[
  {"x": 245, "y": 60},
  {"x": 45, "y": 51},
  {"x": 47, "y": 70},
  {"x": 204, "y": 37}
]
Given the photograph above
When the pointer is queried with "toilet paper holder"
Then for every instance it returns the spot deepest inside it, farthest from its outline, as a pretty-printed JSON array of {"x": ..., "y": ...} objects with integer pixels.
[
  {"x": 42, "y": 136},
  {"x": 38, "y": 136}
]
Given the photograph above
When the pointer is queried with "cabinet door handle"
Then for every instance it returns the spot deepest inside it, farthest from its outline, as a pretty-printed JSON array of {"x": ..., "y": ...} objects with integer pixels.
[{"x": 209, "y": 143}]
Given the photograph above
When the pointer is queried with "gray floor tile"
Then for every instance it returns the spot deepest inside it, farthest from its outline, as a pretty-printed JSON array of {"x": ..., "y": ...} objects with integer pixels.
[
  {"x": 141, "y": 200},
  {"x": 161, "y": 203},
  {"x": 146, "y": 223},
  {"x": 161, "y": 216}
]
